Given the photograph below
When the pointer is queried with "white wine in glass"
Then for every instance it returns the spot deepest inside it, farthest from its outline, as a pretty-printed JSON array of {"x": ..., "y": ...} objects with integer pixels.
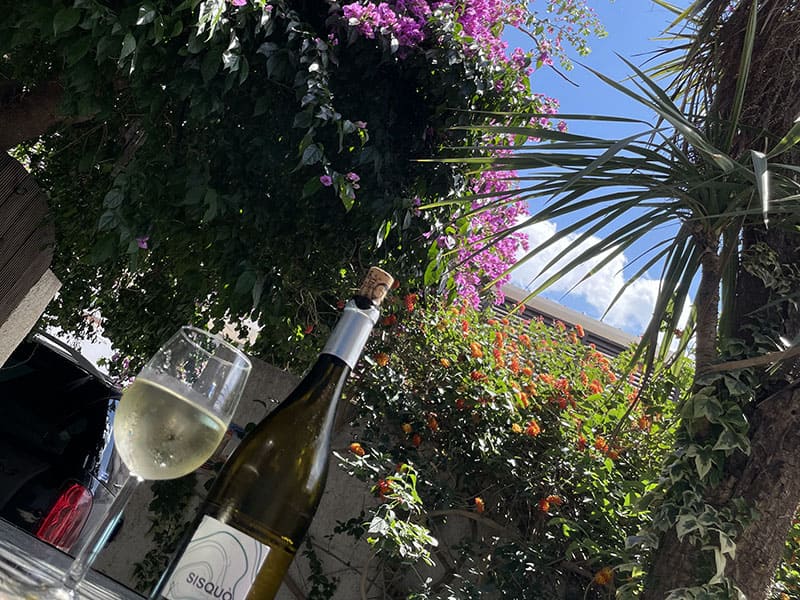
[{"x": 167, "y": 424}]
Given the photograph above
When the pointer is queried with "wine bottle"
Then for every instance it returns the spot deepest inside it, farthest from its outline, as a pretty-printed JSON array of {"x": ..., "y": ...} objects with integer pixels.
[{"x": 264, "y": 498}]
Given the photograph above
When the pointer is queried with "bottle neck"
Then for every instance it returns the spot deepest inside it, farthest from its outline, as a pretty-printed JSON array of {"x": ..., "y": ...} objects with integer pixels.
[{"x": 351, "y": 332}]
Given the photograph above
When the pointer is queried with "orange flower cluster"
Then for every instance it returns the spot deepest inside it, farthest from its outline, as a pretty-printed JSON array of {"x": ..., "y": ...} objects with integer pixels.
[
  {"x": 547, "y": 379},
  {"x": 357, "y": 449},
  {"x": 444, "y": 362},
  {"x": 555, "y": 500},
  {"x": 579, "y": 330},
  {"x": 382, "y": 359},
  {"x": 406, "y": 427},
  {"x": 595, "y": 387},
  {"x": 475, "y": 350},
  {"x": 545, "y": 504},
  {"x": 410, "y": 301},
  {"x": 604, "y": 576},
  {"x": 389, "y": 320},
  {"x": 601, "y": 444},
  {"x": 477, "y": 376},
  {"x": 383, "y": 487},
  {"x": 433, "y": 424},
  {"x": 532, "y": 428},
  {"x": 479, "y": 505}
]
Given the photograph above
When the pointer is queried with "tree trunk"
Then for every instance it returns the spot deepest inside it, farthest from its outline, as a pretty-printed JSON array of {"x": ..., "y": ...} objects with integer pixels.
[
  {"x": 673, "y": 567},
  {"x": 675, "y": 561},
  {"x": 770, "y": 483},
  {"x": 29, "y": 115}
]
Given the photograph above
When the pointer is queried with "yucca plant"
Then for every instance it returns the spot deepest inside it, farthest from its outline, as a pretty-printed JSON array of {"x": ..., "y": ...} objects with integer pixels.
[{"x": 721, "y": 162}]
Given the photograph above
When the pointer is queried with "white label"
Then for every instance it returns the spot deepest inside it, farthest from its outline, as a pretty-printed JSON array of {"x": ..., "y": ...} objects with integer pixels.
[{"x": 220, "y": 563}]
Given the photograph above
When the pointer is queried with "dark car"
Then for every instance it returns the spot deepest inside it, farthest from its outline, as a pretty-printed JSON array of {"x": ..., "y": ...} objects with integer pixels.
[{"x": 58, "y": 468}]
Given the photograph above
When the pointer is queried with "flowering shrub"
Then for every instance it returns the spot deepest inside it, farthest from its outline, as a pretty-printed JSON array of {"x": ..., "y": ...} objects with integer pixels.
[
  {"x": 264, "y": 119},
  {"x": 529, "y": 448}
]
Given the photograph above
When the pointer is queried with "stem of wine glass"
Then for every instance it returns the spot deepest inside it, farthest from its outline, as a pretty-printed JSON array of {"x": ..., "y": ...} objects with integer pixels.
[{"x": 99, "y": 536}]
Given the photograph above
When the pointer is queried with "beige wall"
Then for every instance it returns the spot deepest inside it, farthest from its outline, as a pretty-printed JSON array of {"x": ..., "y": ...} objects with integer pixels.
[{"x": 344, "y": 498}]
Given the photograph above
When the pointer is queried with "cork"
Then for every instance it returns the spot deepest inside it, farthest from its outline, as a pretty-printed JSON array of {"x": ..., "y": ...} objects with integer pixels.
[{"x": 376, "y": 285}]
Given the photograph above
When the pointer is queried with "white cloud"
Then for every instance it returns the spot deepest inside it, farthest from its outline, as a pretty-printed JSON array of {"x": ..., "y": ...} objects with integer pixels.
[{"x": 633, "y": 309}]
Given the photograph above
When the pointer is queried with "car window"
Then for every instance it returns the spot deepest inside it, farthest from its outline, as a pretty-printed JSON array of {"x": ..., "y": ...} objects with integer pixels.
[{"x": 52, "y": 405}]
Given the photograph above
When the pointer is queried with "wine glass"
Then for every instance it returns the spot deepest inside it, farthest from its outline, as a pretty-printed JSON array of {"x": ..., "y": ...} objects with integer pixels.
[{"x": 167, "y": 424}]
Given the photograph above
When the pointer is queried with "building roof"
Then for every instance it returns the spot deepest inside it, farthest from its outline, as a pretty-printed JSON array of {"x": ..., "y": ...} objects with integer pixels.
[{"x": 608, "y": 340}]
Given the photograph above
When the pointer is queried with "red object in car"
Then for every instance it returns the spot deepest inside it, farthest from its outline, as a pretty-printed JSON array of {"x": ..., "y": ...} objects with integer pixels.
[{"x": 63, "y": 524}]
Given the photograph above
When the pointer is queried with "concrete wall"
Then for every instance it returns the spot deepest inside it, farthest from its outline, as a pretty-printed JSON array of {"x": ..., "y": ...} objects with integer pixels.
[
  {"x": 344, "y": 498},
  {"x": 25, "y": 315}
]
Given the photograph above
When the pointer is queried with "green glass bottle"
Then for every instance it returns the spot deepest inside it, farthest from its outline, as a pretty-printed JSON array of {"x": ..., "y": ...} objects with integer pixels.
[{"x": 264, "y": 498}]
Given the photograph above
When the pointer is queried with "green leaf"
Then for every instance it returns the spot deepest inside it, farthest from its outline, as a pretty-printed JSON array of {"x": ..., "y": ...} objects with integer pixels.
[
  {"x": 311, "y": 186},
  {"x": 212, "y": 205},
  {"x": 261, "y": 106},
  {"x": 245, "y": 283},
  {"x": 730, "y": 440},
  {"x": 210, "y": 66},
  {"x": 727, "y": 545},
  {"x": 128, "y": 46},
  {"x": 114, "y": 198},
  {"x": 311, "y": 155},
  {"x": 66, "y": 19},
  {"x": 383, "y": 233},
  {"x": 790, "y": 140},
  {"x": 703, "y": 463},
  {"x": 78, "y": 49},
  {"x": 108, "y": 220},
  {"x": 147, "y": 13},
  {"x": 685, "y": 525}
]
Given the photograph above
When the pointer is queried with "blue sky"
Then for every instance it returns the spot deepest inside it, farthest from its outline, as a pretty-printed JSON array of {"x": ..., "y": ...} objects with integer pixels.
[{"x": 632, "y": 27}]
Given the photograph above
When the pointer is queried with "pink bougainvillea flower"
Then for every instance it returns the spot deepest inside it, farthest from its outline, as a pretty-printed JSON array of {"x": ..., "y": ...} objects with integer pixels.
[
  {"x": 353, "y": 177},
  {"x": 238, "y": 2},
  {"x": 142, "y": 241},
  {"x": 326, "y": 180}
]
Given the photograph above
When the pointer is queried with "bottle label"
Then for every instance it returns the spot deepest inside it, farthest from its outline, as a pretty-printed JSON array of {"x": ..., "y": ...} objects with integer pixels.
[{"x": 220, "y": 563}]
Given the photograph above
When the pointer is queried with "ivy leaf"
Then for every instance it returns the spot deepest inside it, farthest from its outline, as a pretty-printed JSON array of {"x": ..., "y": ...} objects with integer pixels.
[
  {"x": 686, "y": 524},
  {"x": 727, "y": 545},
  {"x": 703, "y": 463},
  {"x": 730, "y": 440},
  {"x": 66, "y": 19}
]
